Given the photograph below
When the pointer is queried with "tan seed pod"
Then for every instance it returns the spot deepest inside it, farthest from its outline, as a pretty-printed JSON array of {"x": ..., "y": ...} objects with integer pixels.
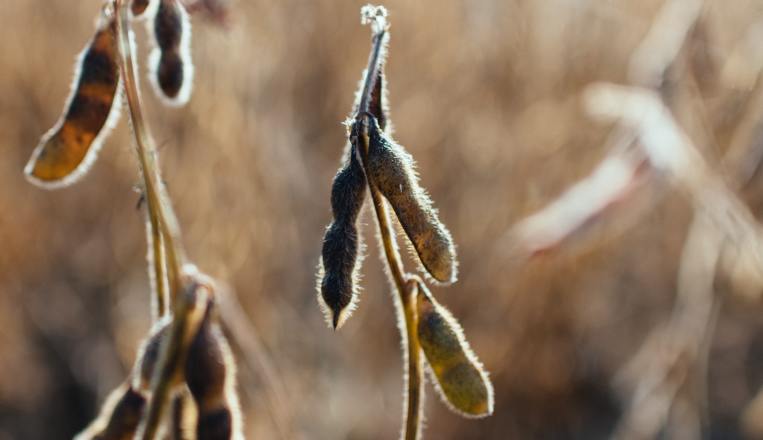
[
  {"x": 391, "y": 170},
  {"x": 68, "y": 149},
  {"x": 170, "y": 65},
  {"x": 210, "y": 375},
  {"x": 119, "y": 417},
  {"x": 458, "y": 375},
  {"x": 342, "y": 245}
]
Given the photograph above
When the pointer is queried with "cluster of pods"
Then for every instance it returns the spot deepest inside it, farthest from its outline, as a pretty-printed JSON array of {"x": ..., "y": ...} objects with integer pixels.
[
  {"x": 68, "y": 149},
  {"x": 373, "y": 162}
]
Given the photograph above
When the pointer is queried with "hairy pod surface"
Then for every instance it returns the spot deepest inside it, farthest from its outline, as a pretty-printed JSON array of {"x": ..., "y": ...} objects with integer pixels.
[
  {"x": 66, "y": 151},
  {"x": 340, "y": 257},
  {"x": 391, "y": 170},
  {"x": 170, "y": 65},
  {"x": 119, "y": 417},
  {"x": 459, "y": 376},
  {"x": 210, "y": 376}
]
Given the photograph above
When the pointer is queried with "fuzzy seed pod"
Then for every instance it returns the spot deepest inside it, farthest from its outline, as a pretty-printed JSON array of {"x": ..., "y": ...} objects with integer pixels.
[
  {"x": 119, "y": 417},
  {"x": 391, "y": 169},
  {"x": 139, "y": 7},
  {"x": 342, "y": 247},
  {"x": 66, "y": 151},
  {"x": 210, "y": 376},
  {"x": 148, "y": 355},
  {"x": 459, "y": 377},
  {"x": 378, "y": 104},
  {"x": 171, "y": 69}
]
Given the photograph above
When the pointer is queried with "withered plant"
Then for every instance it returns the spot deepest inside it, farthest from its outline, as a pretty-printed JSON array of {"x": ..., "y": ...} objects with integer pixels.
[
  {"x": 374, "y": 163},
  {"x": 659, "y": 144},
  {"x": 185, "y": 361}
]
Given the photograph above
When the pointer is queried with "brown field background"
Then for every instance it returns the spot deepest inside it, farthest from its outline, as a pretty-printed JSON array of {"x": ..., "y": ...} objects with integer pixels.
[{"x": 485, "y": 95}]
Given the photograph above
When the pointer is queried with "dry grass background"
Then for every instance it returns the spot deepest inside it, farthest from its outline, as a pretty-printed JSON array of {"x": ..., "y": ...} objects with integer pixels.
[{"x": 485, "y": 94}]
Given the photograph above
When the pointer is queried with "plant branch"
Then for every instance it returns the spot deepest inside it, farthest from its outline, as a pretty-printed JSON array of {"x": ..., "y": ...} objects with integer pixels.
[
  {"x": 377, "y": 17},
  {"x": 158, "y": 263},
  {"x": 406, "y": 304},
  {"x": 157, "y": 200}
]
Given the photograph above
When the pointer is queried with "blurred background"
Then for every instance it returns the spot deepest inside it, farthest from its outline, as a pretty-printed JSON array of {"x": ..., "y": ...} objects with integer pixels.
[{"x": 486, "y": 96}]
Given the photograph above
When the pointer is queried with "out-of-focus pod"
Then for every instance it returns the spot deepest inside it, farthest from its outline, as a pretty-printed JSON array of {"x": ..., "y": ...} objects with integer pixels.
[
  {"x": 170, "y": 64},
  {"x": 68, "y": 149}
]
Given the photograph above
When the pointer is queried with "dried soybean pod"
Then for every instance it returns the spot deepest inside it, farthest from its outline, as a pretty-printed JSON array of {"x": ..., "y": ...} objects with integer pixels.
[
  {"x": 459, "y": 377},
  {"x": 139, "y": 7},
  {"x": 119, "y": 417},
  {"x": 342, "y": 247},
  {"x": 210, "y": 376},
  {"x": 148, "y": 355},
  {"x": 170, "y": 65},
  {"x": 391, "y": 170},
  {"x": 66, "y": 151},
  {"x": 378, "y": 104}
]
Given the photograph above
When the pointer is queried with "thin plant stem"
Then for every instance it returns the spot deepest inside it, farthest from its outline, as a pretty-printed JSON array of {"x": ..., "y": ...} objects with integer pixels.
[
  {"x": 158, "y": 265},
  {"x": 374, "y": 67},
  {"x": 157, "y": 200},
  {"x": 167, "y": 248},
  {"x": 405, "y": 306}
]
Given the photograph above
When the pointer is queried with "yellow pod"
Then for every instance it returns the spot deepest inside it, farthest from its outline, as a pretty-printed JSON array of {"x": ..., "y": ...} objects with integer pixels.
[
  {"x": 458, "y": 375},
  {"x": 67, "y": 150}
]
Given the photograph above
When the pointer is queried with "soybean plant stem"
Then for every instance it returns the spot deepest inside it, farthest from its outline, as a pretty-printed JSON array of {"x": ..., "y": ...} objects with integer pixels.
[
  {"x": 406, "y": 306},
  {"x": 165, "y": 234},
  {"x": 157, "y": 200},
  {"x": 375, "y": 60},
  {"x": 158, "y": 263}
]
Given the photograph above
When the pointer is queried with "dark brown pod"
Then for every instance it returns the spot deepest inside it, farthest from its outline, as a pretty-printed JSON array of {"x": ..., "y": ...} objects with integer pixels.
[
  {"x": 341, "y": 254},
  {"x": 391, "y": 170},
  {"x": 148, "y": 355},
  {"x": 66, "y": 151},
  {"x": 459, "y": 377},
  {"x": 210, "y": 376},
  {"x": 378, "y": 104},
  {"x": 170, "y": 66},
  {"x": 119, "y": 417},
  {"x": 215, "y": 425},
  {"x": 139, "y": 7}
]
